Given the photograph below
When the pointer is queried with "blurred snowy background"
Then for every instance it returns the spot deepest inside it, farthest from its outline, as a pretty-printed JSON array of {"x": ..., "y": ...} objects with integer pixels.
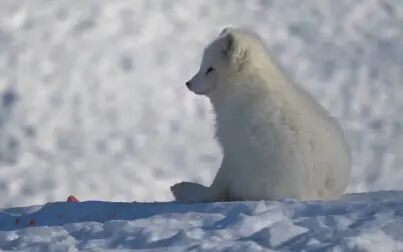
[{"x": 93, "y": 103}]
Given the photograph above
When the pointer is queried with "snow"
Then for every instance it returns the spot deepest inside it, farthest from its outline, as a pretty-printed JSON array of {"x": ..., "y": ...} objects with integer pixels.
[
  {"x": 93, "y": 103},
  {"x": 361, "y": 222}
]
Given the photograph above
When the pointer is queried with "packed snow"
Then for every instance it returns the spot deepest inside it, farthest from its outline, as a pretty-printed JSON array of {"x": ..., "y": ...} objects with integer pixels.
[
  {"x": 366, "y": 222},
  {"x": 93, "y": 103}
]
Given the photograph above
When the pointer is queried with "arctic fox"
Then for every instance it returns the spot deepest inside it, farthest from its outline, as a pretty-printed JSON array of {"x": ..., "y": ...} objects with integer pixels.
[{"x": 277, "y": 141}]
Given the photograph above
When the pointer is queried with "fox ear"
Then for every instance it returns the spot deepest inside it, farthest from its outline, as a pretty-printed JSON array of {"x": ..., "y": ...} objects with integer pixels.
[
  {"x": 233, "y": 50},
  {"x": 225, "y": 30},
  {"x": 229, "y": 44}
]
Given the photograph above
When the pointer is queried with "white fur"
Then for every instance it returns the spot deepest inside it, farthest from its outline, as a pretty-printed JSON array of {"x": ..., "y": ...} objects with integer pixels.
[{"x": 277, "y": 141}]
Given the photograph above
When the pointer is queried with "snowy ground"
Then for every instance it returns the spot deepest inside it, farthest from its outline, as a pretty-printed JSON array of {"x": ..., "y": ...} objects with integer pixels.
[{"x": 372, "y": 222}]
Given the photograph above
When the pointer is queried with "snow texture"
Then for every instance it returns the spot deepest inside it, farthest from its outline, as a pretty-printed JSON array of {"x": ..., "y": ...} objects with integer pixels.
[
  {"x": 93, "y": 102},
  {"x": 362, "y": 222}
]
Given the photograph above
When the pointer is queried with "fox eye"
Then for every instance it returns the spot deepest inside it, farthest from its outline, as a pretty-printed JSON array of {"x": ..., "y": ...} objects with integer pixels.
[{"x": 209, "y": 70}]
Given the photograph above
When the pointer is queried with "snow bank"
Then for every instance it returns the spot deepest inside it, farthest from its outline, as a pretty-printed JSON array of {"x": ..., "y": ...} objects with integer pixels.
[{"x": 362, "y": 222}]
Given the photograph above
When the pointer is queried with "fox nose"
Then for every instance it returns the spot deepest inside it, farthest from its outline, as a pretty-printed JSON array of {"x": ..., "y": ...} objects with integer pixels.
[{"x": 188, "y": 84}]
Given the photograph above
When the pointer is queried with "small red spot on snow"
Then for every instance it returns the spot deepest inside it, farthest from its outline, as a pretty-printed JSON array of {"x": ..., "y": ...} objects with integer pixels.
[
  {"x": 17, "y": 221},
  {"x": 71, "y": 198},
  {"x": 31, "y": 222}
]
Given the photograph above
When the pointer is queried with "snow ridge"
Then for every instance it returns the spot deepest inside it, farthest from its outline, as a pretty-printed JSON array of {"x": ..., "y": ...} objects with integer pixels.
[{"x": 369, "y": 222}]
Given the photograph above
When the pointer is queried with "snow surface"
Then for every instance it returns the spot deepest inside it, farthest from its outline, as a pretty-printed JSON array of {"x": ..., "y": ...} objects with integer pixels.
[
  {"x": 362, "y": 222},
  {"x": 93, "y": 103}
]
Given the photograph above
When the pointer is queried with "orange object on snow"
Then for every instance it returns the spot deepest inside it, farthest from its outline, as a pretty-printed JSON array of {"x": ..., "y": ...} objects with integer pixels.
[{"x": 71, "y": 198}]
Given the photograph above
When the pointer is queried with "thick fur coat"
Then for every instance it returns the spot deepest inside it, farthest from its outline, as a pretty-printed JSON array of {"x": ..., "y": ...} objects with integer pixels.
[{"x": 277, "y": 141}]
